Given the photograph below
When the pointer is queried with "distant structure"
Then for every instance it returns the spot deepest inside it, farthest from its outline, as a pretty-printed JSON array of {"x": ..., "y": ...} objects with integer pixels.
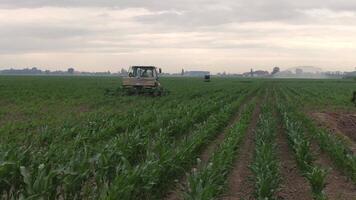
[
  {"x": 283, "y": 74},
  {"x": 350, "y": 74},
  {"x": 307, "y": 69},
  {"x": 196, "y": 73},
  {"x": 294, "y": 72},
  {"x": 257, "y": 73},
  {"x": 260, "y": 73},
  {"x": 38, "y": 72},
  {"x": 298, "y": 71},
  {"x": 26, "y": 71},
  {"x": 306, "y": 72}
]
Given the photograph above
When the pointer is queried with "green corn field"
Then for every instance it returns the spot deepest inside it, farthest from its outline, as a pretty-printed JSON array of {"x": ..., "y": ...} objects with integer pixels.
[{"x": 231, "y": 138}]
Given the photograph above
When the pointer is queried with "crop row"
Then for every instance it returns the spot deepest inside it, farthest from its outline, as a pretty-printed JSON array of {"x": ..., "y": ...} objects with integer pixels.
[
  {"x": 69, "y": 171},
  {"x": 208, "y": 181},
  {"x": 82, "y": 167},
  {"x": 149, "y": 179},
  {"x": 102, "y": 126},
  {"x": 321, "y": 93},
  {"x": 301, "y": 148},
  {"x": 334, "y": 146},
  {"x": 266, "y": 166},
  {"x": 337, "y": 150}
]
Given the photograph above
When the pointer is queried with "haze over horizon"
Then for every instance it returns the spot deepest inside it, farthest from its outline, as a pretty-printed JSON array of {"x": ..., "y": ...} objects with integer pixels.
[{"x": 214, "y": 35}]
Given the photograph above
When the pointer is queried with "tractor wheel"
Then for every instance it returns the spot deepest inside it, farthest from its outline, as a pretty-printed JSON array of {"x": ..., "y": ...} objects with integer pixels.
[
  {"x": 137, "y": 91},
  {"x": 157, "y": 92}
]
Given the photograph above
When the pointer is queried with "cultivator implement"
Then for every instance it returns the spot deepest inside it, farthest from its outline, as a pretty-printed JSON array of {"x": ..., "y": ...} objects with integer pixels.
[{"x": 138, "y": 90}]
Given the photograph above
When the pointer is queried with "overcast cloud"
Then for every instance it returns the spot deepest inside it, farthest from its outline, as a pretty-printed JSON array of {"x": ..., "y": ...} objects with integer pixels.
[{"x": 215, "y": 35}]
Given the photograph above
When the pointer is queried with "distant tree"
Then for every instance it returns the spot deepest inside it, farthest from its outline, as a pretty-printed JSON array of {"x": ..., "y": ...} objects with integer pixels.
[
  {"x": 276, "y": 70},
  {"x": 182, "y": 73},
  {"x": 70, "y": 71},
  {"x": 123, "y": 71}
]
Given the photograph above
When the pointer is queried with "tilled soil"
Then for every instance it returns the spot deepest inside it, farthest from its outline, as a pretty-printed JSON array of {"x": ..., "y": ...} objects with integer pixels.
[
  {"x": 240, "y": 184},
  {"x": 207, "y": 152},
  {"x": 338, "y": 187},
  {"x": 293, "y": 186},
  {"x": 343, "y": 123}
]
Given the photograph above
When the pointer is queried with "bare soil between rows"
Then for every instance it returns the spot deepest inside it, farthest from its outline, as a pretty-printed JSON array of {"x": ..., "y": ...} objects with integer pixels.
[
  {"x": 240, "y": 183},
  {"x": 208, "y": 151},
  {"x": 293, "y": 186},
  {"x": 337, "y": 122}
]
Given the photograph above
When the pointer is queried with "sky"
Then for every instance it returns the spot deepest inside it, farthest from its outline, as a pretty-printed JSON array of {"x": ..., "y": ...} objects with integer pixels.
[{"x": 214, "y": 35}]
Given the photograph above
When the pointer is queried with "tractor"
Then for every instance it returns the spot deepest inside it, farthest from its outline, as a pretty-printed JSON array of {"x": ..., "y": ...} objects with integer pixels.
[
  {"x": 207, "y": 78},
  {"x": 143, "y": 80}
]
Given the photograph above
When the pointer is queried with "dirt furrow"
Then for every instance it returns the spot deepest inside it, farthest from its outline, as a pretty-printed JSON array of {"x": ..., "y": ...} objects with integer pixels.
[
  {"x": 293, "y": 185},
  {"x": 208, "y": 151},
  {"x": 240, "y": 185},
  {"x": 338, "y": 187},
  {"x": 341, "y": 125}
]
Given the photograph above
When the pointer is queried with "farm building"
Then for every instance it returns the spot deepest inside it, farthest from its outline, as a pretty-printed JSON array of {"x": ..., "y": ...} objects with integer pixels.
[{"x": 196, "y": 73}]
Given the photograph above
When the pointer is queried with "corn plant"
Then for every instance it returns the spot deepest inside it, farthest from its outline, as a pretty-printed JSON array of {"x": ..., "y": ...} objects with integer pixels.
[
  {"x": 337, "y": 150},
  {"x": 334, "y": 146},
  {"x": 208, "y": 181},
  {"x": 301, "y": 148},
  {"x": 147, "y": 180},
  {"x": 94, "y": 152},
  {"x": 266, "y": 166},
  {"x": 316, "y": 176}
]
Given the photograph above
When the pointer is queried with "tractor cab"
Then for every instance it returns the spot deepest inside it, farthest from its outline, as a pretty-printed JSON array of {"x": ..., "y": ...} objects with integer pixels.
[
  {"x": 142, "y": 79},
  {"x": 148, "y": 72}
]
